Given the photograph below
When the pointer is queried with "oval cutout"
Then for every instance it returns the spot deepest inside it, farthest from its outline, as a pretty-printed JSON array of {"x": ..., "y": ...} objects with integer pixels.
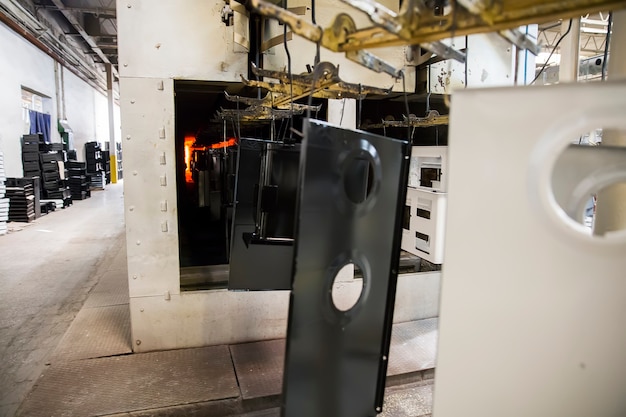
[
  {"x": 346, "y": 289},
  {"x": 587, "y": 175}
]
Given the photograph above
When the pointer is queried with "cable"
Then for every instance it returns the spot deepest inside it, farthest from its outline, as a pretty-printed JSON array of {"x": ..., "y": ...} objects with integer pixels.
[
  {"x": 317, "y": 44},
  {"x": 360, "y": 105},
  {"x": 553, "y": 50},
  {"x": 606, "y": 45},
  {"x": 343, "y": 107},
  {"x": 290, "y": 76},
  {"x": 406, "y": 106},
  {"x": 467, "y": 57}
]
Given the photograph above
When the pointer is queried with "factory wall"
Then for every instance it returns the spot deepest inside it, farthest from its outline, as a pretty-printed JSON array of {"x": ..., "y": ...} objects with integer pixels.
[{"x": 22, "y": 65}]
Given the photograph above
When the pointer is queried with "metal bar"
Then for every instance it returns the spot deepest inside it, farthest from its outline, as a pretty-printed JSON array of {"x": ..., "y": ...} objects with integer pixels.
[{"x": 510, "y": 15}]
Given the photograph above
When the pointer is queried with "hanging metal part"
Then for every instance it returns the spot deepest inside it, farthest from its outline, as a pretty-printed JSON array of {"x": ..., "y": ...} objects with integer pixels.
[
  {"x": 374, "y": 63},
  {"x": 270, "y": 101},
  {"x": 351, "y": 196},
  {"x": 433, "y": 118},
  {"x": 330, "y": 38},
  {"x": 256, "y": 114},
  {"x": 444, "y": 51},
  {"x": 299, "y": 26},
  {"x": 327, "y": 84},
  {"x": 417, "y": 24},
  {"x": 521, "y": 40}
]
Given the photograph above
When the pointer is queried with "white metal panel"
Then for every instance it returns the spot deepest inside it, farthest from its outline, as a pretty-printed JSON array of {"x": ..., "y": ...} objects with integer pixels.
[
  {"x": 430, "y": 246},
  {"x": 538, "y": 329},
  {"x": 217, "y": 317},
  {"x": 177, "y": 39},
  {"x": 150, "y": 185},
  {"x": 343, "y": 112},
  {"x": 490, "y": 63},
  {"x": 302, "y": 51},
  {"x": 429, "y": 156}
]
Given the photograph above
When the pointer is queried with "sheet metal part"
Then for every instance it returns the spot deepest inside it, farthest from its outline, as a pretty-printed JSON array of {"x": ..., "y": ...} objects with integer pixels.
[
  {"x": 263, "y": 263},
  {"x": 336, "y": 360}
]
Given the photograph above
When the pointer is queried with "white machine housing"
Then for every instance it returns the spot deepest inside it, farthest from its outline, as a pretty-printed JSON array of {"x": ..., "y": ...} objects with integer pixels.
[{"x": 426, "y": 203}]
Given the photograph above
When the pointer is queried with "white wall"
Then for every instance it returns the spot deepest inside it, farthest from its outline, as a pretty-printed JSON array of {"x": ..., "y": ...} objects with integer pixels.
[
  {"x": 87, "y": 113},
  {"x": 23, "y": 64}
]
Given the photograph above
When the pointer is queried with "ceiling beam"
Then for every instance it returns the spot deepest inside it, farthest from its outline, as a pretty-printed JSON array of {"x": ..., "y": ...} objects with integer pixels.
[{"x": 79, "y": 28}]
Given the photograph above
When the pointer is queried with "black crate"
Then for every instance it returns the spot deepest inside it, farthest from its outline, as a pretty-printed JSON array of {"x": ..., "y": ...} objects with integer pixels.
[
  {"x": 31, "y": 166},
  {"x": 75, "y": 165},
  {"x": 30, "y": 156},
  {"x": 50, "y": 157},
  {"x": 54, "y": 147}
]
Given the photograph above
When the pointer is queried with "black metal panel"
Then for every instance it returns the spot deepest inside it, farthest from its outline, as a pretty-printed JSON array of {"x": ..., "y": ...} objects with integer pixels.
[
  {"x": 264, "y": 263},
  {"x": 336, "y": 361}
]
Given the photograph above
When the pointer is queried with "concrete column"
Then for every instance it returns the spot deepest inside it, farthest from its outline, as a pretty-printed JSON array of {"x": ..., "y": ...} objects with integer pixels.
[
  {"x": 570, "y": 52},
  {"x": 611, "y": 204},
  {"x": 112, "y": 147}
]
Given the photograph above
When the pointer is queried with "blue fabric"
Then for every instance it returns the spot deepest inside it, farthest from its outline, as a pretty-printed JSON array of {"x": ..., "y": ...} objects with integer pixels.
[{"x": 40, "y": 123}]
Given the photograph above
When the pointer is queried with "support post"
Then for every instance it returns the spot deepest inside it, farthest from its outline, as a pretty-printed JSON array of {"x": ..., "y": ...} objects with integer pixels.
[
  {"x": 570, "y": 52},
  {"x": 112, "y": 147}
]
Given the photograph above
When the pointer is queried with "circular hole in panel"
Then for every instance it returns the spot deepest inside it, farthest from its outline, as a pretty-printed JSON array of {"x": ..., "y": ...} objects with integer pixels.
[
  {"x": 346, "y": 289},
  {"x": 358, "y": 178},
  {"x": 588, "y": 184}
]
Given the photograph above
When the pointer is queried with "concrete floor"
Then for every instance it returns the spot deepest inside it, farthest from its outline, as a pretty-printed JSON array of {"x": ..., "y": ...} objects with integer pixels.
[
  {"x": 47, "y": 269},
  {"x": 65, "y": 336}
]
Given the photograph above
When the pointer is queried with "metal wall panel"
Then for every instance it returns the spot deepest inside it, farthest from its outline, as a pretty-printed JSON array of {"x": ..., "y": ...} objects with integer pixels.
[
  {"x": 490, "y": 63},
  {"x": 204, "y": 318},
  {"x": 336, "y": 360},
  {"x": 147, "y": 106},
  {"x": 182, "y": 39},
  {"x": 533, "y": 307}
]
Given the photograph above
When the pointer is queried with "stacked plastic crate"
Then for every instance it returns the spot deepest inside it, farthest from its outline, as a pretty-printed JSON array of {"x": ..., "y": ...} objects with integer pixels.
[{"x": 4, "y": 202}]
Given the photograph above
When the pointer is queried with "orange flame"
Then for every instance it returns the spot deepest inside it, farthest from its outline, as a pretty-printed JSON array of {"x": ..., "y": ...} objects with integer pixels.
[{"x": 189, "y": 141}]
